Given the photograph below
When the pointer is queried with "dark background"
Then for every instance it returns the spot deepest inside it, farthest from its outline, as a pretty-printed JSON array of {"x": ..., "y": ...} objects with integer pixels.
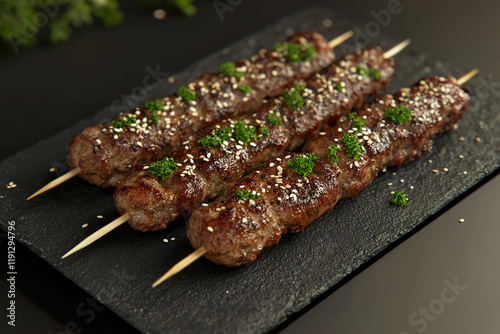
[{"x": 46, "y": 88}]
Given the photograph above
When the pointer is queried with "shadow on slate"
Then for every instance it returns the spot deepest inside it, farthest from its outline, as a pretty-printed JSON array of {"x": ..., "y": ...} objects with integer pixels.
[{"x": 119, "y": 269}]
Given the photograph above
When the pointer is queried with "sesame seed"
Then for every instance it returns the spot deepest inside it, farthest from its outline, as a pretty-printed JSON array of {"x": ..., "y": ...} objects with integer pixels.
[
  {"x": 389, "y": 184},
  {"x": 52, "y": 169},
  {"x": 461, "y": 220},
  {"x": 461, "y": 138},
  {"x": 461, "y": 156},
  {"x": 85, "y": 225},
  {"x": 464, "y": 172},
  {"x": 210, "y": 229},
  {"x": 245, "y": 220},
  {"x": 445, "y": 169},
  {"x": 478, "y": 139},
  {"x": 435, "y": 171},
  {"x": 172, "y": 239},
  {"x": 165, "y": 240},
  {"x": 204, "y": 204},
  {"x": 100, "y": 216}
]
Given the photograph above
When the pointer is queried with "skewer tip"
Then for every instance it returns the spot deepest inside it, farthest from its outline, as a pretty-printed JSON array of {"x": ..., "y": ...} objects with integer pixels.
[
  {"x": 397, "y": 48},
  {"x": 467, "y": 76},
  {"x": 98, "y": 234},
  {"x": 54, "y": 183},
  {"x": 340, "y": 39},
  {"x": 181, "y": 265}
]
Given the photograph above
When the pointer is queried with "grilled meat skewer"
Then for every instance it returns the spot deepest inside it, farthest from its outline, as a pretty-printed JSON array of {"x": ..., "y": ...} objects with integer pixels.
[{"x": 107, "y": 153}]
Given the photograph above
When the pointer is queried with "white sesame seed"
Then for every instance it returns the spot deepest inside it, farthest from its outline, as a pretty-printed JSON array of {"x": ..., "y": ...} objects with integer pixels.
[
  {"x": 204, "y": 204},
  {"x": 165, "y": 240},
  {"x": 100, "y": 216},
  {"x": 461, "y": 220},
  {"x": 210, "y": 229},
  {"x": 85, "y": 225}
]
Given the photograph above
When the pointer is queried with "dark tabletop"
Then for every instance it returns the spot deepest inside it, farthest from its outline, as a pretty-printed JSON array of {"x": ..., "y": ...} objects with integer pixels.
[{"x": 41, "y": 93}]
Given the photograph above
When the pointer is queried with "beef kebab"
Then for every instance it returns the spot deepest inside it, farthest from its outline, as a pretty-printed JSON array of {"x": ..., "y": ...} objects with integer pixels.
[
  {"x": 105, "y": 154},
  {"x": 289, "y": 192},
  {"x": 173, "y": 187}
]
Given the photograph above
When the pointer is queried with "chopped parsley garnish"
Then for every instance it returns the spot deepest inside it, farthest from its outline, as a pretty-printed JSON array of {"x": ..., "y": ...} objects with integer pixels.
[
  {"x": 264, "y": 130},
  {"x": 399, "y": 198},
  {"x": 154, "y": 107},
  {"x": 220, "y": 135},
  {"x": 351, "y": 115},
  {"x": 358, "y": 123},
  {"x": 296, "y": 52},
  {"x": 302, "y": 164},
  {"x": 351, "y": 145},
  {"x": 240, "y": 132},
  {"x": 245, "y": 194},
  {"x": 274, "y": 119},
  {"x": 162, "y": 168},
  {"x": 245, "y": 88},
  {"x": 292, "y": 98},
  {"x": 229, "y": 68},
  {"x": 364, "y": 71},
  {"x": 186, "y": 94},
  {"x": 124, "y": 121},
  {"x": 331, "y": 153},
  {"x": 339, "y": 87},
  {"x": 243, "y": 132},
  {"x": 375, "y": 74},
  {"x": 398, "y": 115}
]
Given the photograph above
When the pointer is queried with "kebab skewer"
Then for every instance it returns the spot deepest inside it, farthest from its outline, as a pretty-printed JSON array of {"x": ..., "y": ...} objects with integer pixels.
[
  {"x": 167, "y": 190},
  {"x": 107, "y": 153},
  {"x": 293, "y": 190}
]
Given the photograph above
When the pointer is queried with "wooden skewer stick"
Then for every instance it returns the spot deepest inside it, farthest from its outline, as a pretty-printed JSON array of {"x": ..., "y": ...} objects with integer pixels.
[
  {"x": 56, "y": 182},
  {"x": 333, "y": 43},
  {"x": 181, "y": 265},
  {"x": 467, "y": 77},
  {"x": 340, "y": 39},
  {"x": 397, "y": 48},
  {"x": 99, "y": 233},
  {"x": 201, "y": 251}
]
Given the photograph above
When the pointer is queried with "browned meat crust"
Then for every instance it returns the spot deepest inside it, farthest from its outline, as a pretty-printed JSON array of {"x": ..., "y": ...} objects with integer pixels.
[
  {"x": 203, "y": 172},
  {"x": 234, "y": 231},
  {"x": 106, "y": 155}
]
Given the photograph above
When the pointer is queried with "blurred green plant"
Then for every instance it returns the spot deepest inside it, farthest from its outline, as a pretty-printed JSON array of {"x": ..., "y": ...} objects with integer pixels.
[{"x": 21, "y": 20}]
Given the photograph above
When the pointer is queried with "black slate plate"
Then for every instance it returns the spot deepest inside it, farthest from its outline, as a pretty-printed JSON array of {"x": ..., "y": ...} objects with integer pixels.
[{"x": 119, "y": 269}]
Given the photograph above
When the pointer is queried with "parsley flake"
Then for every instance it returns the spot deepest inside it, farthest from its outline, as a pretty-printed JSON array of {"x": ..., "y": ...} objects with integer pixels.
[
  {"x": 292, "y": 98},
  {"x": 339, "y": 87},
  {"x": 302, "y": 164},
  {"x": 245, "y": 194},
  {"x": 295, "y": 52},
  {"x": 245, "y": 88},
  {"x": 186, "y": 94},
  {"x": 229, "y": 68},
  {"x": 162, "y": 168},
  {"x": 364, "y": 71},
  {"x": 274, "y": 119},
  {"x": 399, "y": 198},
  {"x": 358, "y": 123},
  {"x": 124, "y": 121},
  {"x": 351, "y": 145},
  {"x": 154, "y": 107},
  {"x": 244, "y": 133},
  {"x": 331, "y": 153},
  {"x": 398, "y": 115},
  {"x": 351, "y": 115},
  {"x": 264, "y": 130}
]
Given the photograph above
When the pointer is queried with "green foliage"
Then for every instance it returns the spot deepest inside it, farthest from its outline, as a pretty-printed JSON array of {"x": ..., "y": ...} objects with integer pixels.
[
  {"x": 21, "y": 20},
  {"x": 245, "y": 88},
  {"x": 358, "y": 123},
  {"x": 264, "y": 130},
  {"x": 292, "y": 98},
  {"x": 296, "y": 52}
]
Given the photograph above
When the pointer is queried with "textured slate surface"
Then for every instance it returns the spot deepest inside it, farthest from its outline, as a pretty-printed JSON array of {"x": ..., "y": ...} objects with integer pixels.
[{"x": 120, "y": 268}]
